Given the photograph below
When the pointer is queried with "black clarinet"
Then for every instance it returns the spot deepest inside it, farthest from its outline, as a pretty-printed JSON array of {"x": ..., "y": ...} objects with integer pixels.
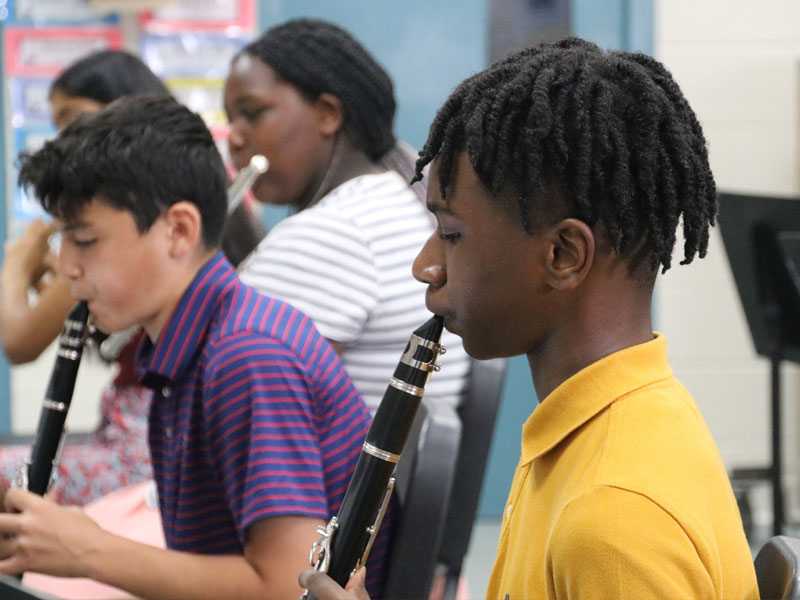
[
  {"x": 345, "y": 542},
  {"x": 39, "y": 471}
]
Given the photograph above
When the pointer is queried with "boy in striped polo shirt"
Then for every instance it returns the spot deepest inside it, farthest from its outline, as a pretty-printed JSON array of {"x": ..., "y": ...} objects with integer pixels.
[{"x": 255, "y": 426}]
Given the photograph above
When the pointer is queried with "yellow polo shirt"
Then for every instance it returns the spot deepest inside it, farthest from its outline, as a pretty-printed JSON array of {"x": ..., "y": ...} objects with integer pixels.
[{"x": 621, "y": 493}]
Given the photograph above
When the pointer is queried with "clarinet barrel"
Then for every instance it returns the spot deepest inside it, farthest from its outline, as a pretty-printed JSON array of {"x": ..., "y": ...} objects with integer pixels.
[
  {"x": 346, "y": 541},
  {"x": 37, "y": 474}
]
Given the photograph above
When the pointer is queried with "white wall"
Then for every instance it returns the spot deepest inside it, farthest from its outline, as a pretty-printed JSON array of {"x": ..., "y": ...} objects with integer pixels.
[
  {"x": 29, "y": 383},
  {"x": 738, "y": 63}
]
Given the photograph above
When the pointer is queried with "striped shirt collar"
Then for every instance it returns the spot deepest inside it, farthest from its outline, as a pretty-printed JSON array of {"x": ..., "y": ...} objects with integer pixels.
[{"x": 177, "y": 345}]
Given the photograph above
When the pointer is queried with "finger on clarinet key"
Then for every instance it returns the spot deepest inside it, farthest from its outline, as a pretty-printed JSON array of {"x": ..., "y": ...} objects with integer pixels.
[{"x": 322, "y": 587}]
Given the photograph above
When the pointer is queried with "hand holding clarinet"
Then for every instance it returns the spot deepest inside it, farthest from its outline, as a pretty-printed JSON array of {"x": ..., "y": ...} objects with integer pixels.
[
  {"x": 38, "y": 472},
  {"x": 345, "y": 543},
  {"x": 322, "y": 587}
]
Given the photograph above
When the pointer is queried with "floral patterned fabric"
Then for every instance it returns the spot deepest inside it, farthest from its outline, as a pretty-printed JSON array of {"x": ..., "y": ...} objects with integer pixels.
[{"x": 115, "y": 456}]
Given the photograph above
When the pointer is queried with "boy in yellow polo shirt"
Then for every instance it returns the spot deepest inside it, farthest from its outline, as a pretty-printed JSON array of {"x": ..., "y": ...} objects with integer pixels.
[{"x": 559, "y": 177}]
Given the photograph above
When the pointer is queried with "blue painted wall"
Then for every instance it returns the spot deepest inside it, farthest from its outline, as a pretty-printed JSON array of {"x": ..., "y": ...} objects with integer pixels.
[
  {"x": 427, "y": 47},
  {"x": 615, "y": 24},
  {"x": 5, "y": 378}
]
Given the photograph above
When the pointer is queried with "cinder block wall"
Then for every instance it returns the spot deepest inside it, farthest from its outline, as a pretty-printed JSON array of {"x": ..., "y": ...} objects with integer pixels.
[{"x": 738, "y": 63}]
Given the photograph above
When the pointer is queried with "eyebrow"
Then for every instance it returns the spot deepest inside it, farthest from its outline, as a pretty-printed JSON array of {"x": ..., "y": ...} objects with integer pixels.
[
  {"x": 436, "y": 207},
  {"x": 73, "y": 226}
]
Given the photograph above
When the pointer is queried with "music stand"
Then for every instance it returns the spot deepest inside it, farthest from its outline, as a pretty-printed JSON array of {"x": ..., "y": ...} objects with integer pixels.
[
  {"x": 12, "y": 589},
  {"x": 762, "y": 240}
]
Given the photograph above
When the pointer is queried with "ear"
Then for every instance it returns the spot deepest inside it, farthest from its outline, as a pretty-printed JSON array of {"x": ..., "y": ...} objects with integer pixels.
[
  {"x": 330, "y": 114},
  {"x": 185, "y": 228},
  {"x": 572, "y": 250}
]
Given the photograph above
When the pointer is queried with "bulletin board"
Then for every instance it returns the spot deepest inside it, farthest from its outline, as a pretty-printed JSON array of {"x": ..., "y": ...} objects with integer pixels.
[{"x": 189, "y": 44}]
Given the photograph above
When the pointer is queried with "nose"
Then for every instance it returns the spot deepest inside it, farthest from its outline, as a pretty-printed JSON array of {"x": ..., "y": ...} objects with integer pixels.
[
  {"x": 67, "y": 265},
  {"x": 236, "y": 139},
  {"x": 429, "y": 267}
]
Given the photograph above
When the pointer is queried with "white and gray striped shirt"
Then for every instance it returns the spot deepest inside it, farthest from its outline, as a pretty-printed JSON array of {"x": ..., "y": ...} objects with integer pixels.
[{"x": 346, "y": 263}]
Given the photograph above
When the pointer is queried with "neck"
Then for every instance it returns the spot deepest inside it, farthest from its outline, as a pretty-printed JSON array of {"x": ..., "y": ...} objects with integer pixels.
[
  {"x": 345, "y": 163},
  {"x": 590, "y": 332},
  {"x": 181, "y": 281}
]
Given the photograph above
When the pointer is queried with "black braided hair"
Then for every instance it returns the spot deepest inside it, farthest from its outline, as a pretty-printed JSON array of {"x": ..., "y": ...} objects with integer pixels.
[
  {"x": 318, "y": 57},
  {"x": 609, "y": 132}
]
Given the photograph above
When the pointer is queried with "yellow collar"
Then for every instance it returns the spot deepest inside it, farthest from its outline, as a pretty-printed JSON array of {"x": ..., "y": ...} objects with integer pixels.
[{"x": 591, "y": 390}]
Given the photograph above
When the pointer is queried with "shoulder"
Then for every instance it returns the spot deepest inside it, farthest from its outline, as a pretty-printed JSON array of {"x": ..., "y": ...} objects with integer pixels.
[
  {"x": 319, "y": 233},
  {"x": 352, "y": 192},
  {"x": 370, "y": 200},
  {"x": 623, "y": 544},
  {"x": 256, "y": 326},
  {"x": 605, "y": 518},
  {"x": 658, "y": 443}
]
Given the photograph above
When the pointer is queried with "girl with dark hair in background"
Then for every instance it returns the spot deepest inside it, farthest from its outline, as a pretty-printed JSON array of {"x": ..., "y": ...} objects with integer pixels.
[{"x": 311, "y": 99}]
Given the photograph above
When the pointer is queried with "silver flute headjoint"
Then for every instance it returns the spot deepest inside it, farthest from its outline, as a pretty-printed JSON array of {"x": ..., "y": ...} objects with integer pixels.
[{"x": 244, "y": 180}]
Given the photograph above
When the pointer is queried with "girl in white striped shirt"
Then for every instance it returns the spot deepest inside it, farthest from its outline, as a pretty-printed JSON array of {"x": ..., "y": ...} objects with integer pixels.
[{"x": 311, "y": 98}]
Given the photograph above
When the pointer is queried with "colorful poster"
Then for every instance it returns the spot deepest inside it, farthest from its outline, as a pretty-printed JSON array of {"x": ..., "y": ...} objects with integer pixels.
[
  {"x": 190, "y": 54},
  {"x": 231, "y": 16},
  {"x": 46, "y": 51},
  {"x": 29, "y": 100},
  {"x": 54, "y": 12},
  {"x": 202, "y": 94},
  {"x": 188, "y": 43}
]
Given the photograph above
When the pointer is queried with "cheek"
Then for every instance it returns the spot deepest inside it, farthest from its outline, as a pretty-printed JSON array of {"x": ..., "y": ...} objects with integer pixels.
[
  {"x": 286, "y": 131},
  {"x": 297, "y": 155},
  {"x": 492, "y": 306},
  {"x": 131, "y": 273}
]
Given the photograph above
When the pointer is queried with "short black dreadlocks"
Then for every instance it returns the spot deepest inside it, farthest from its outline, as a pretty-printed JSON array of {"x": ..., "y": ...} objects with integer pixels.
[
  {"x": 318, "y": 57},
  {"x": 611, "y": 132}
]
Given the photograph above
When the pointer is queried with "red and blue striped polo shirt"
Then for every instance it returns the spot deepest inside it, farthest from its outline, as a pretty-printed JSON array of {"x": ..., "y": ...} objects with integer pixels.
[{"x": 253, "y": 416}]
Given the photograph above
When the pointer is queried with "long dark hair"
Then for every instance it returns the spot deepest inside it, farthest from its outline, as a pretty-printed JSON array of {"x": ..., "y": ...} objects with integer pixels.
[{"x": 107, "y": 75}]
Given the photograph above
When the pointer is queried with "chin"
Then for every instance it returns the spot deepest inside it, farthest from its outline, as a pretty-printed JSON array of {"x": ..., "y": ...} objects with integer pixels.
[
  {"x": 484, "y": 349},
  {"x": 109, "y": 326},
  {"x": 265, "y": 193},
  {"x": 477, "y": 350}
]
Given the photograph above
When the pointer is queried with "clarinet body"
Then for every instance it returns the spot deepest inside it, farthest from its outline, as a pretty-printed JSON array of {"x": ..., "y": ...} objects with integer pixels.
[
  {"x": 345, "y": 542},
  {"x": 38, "y": 472}
]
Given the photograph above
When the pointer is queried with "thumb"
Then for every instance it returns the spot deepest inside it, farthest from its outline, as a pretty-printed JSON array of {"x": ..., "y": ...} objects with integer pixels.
[
  {"x": 17, "y": 500},
  {"x": 358, "y": 584},
  {"x": 322, "y": 587}
]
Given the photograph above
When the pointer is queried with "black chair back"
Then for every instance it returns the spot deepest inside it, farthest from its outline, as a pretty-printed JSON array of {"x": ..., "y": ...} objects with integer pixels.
[
  {"x": 478, "y": 412},
  {"x": 777, "y": 569},
  {"x": 424, "y": 479}
]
